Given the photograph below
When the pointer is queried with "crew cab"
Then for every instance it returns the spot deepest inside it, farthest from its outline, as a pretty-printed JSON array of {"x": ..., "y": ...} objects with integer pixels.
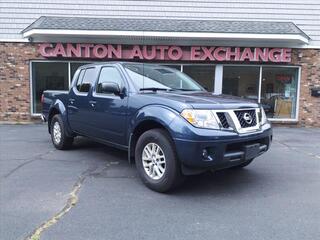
[{"x": 169, "y": 124}]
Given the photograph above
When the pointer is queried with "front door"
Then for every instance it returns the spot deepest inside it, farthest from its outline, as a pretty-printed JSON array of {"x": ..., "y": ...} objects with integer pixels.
[{"x": 109, "y": 112}]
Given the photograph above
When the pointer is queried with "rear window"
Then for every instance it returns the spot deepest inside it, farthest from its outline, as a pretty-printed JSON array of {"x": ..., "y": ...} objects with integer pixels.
[{"x": 80, "y": 77}]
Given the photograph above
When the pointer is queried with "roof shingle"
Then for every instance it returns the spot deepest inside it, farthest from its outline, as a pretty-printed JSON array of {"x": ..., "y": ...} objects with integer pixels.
[{"x": 165, "y": 25}]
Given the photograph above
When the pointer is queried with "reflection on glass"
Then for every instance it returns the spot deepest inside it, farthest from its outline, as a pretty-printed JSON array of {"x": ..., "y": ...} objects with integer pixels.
[
  {"x": 161, "y": 77},
  {"x": 241, "y": 81},
  {"x": 203, "y": 74},
  {"x": 74, "y": 66},
  {"x": 47, "y": 76},
  {"x": 178, "y": 67},
  {"x": 279, "y": 91}
]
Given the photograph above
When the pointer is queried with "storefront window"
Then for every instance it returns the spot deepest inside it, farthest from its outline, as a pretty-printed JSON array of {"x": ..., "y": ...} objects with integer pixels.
[
  {"x": 203, "y": 74},
  {"x": 279, "y": 91},
  {"x": 242, "y": 81},
  {"x": 278, "y": 94},
  {"x": 47, "y": 76}
]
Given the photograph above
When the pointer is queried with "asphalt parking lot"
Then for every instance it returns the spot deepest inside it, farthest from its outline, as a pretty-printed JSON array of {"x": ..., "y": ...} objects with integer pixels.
[{"x": 92, "y": 192}]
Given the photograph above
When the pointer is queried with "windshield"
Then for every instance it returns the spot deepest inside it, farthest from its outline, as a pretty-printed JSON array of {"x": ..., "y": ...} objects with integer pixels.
[{"x": 148, "y": 76}]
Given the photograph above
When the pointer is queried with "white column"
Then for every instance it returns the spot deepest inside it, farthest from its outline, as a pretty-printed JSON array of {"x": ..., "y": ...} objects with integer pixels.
[
  {"x": 260, "y": 82},
  {"x": 69, "y": 74},
  {"x": 218, "y": 79}
]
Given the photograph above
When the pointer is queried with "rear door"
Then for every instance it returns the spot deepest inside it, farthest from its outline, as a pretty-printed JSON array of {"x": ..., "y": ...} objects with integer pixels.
[
  {"x": 79, "y": 106},
  {"x": 110, "y": 111}
]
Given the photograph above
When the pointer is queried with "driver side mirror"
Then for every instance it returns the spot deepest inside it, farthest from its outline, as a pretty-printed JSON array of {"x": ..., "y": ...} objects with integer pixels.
[{"x": 109, "y": 87}]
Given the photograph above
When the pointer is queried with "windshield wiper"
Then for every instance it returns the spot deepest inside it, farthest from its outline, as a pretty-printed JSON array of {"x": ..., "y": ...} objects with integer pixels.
[{"x": 154, "y": 89}]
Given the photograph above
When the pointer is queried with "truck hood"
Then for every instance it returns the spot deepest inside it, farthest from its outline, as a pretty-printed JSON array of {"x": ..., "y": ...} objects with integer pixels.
[{"x": 206, "y": 100}]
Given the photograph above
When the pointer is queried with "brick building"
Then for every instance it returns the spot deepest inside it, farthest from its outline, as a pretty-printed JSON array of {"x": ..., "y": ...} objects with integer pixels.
[{"x": 268, "y": 51}]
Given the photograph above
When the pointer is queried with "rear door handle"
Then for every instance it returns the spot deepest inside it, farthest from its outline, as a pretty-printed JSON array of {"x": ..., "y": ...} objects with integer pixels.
[{"x": 92, "y": 103}]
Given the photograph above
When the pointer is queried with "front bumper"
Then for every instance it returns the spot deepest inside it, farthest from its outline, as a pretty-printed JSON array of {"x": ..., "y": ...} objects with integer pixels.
[{"x": 222, "y": 151}]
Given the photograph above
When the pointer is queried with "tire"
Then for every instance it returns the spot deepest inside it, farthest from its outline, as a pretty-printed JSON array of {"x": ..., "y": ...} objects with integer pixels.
[
  {"x": 242, "y": 165},
  {"x": 58, "y": 136},
  {"x": 167, "y": 164}
]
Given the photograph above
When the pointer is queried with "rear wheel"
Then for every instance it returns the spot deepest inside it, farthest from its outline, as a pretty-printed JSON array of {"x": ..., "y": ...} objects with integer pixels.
[
  {"x": 156, "y": 161},
  {"x": 58, "y": 136}
]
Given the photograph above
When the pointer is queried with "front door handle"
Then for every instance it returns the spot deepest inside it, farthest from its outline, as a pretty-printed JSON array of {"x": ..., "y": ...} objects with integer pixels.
[
  {"x": 71, "y": 100},
  {"x": 92, "y": 103}
]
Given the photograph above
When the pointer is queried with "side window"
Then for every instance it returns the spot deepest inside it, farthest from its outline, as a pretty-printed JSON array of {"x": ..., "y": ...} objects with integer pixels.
[
  {"x": 109, "y": 74},
  {"x": 88, "y": 80},
  {"x": 79, "y": 81}
]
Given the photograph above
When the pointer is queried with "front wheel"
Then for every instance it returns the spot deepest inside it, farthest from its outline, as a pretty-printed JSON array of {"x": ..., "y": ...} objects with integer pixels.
[
  {"x": 156, "y": 161},
  {"x": 58, "y": 136}
]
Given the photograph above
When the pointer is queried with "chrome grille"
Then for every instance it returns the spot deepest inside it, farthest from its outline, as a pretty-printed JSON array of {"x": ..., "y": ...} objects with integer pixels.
[
  {"x": 244, "y": 116},
  {"x": 238, "y": 120},
  {"x": 223, "y": 119}
]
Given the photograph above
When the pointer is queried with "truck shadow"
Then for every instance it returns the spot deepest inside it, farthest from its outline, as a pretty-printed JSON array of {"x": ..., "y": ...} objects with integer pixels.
[{"x": 223, "y": 182}]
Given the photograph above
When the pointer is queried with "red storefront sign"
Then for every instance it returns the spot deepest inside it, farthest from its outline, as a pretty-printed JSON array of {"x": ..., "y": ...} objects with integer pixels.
[
  {"x": 284, "y": 78},
  {"x": 168, "y": 53}
]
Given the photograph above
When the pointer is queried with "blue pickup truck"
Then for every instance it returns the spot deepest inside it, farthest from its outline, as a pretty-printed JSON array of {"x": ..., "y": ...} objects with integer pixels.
[{"x": 170, "y": 125}]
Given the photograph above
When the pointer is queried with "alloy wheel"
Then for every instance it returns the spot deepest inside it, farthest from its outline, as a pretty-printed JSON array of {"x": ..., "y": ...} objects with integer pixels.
[
  {"x": 57, "y": 132},
  {"x": 154, "y": 161}
]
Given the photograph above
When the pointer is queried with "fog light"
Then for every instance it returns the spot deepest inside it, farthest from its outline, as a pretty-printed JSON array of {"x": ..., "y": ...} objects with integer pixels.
[{"x": 206, "y": 156}]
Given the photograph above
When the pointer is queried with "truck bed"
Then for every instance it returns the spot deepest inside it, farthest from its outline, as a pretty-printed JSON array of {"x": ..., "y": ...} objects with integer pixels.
[{"x": 50, "y": 97}]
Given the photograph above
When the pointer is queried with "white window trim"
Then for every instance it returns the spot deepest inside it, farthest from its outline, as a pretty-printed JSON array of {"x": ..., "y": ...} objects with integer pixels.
[
  {"x": 218, "y": 79},
  {"x": 69, "y": 74},
  {"x": 260, "y": 84}
]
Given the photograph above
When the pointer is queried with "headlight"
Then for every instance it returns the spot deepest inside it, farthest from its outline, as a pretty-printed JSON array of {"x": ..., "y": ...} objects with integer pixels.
[
  {"x": 263, "y": 118},
  {"x": 200, "y": 118}
]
